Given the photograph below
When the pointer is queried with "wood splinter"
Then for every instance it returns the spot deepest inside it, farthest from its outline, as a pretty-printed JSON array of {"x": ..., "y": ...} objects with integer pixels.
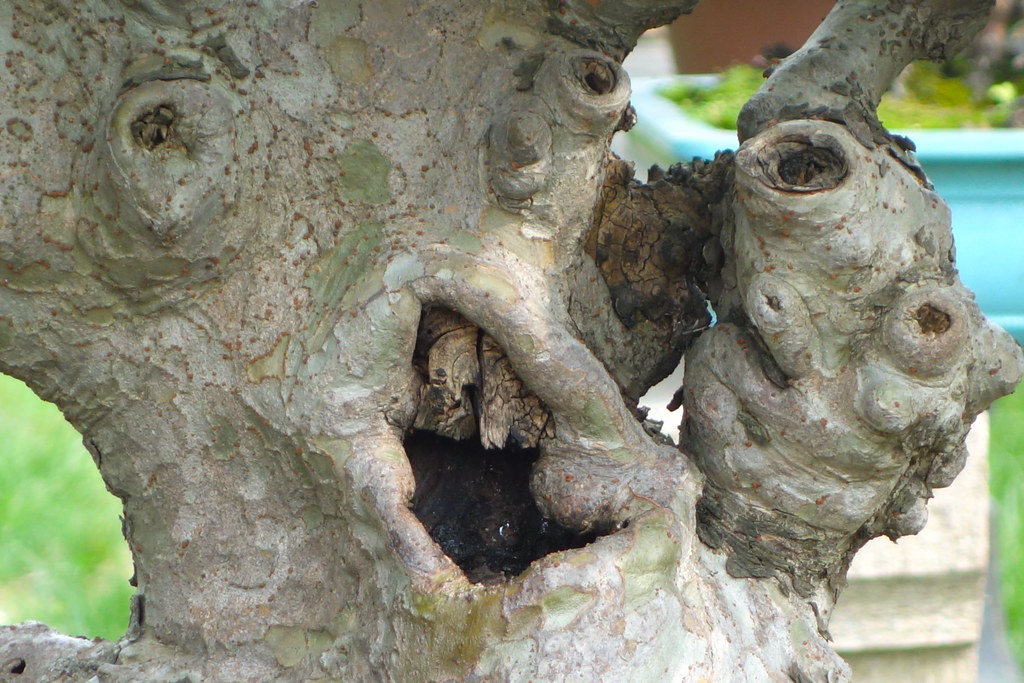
[{"x": 470, "y": 387}]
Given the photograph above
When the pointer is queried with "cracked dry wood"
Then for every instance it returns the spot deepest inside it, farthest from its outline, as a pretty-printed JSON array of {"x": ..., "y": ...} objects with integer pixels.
[{"x": 656, "y": 246}]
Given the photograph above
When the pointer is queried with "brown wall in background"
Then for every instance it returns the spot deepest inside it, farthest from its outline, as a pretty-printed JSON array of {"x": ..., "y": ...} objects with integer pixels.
[{"x": 723, "y": 32}]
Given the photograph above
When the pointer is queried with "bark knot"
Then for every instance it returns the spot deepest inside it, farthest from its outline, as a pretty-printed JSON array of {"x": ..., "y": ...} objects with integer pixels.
[
  {"x": 933, "y": 320},
  {"x": 156, "y": 127}
]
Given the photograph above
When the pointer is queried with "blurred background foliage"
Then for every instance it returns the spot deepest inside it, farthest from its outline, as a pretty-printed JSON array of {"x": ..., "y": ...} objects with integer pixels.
[{"x": 62, "y": 558}]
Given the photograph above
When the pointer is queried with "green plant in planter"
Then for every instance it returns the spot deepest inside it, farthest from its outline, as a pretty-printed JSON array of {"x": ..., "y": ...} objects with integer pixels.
[
  {"x": 925, "y": 96},
  {"x": 717, "y": 103}
]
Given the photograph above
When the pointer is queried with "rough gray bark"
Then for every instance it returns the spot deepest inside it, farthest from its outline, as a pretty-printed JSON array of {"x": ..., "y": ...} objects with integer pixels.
[{"x": 226, "y": 229}]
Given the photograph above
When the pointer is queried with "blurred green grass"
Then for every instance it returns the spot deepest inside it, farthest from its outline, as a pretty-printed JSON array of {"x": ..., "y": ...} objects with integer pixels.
[
  {"x": 63, "y": 561},
  {"x": 62, "y": 558},
  {"x": 1006, "y": 482}
]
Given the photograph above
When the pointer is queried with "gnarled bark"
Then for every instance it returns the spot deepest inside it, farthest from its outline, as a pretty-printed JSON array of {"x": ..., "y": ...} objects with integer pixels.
[{"x": 263, "y": 256}]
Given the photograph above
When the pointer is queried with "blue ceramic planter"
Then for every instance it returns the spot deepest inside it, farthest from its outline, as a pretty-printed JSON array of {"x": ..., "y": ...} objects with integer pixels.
[{"x": 980, "y": 173}]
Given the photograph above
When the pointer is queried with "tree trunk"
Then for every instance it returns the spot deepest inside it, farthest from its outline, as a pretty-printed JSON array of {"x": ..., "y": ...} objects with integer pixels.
[{"x": 353, "y": 308}]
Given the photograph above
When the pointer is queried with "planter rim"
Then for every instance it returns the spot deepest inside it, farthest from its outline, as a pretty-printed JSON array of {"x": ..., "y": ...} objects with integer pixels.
[{"x": 665, "y": 120}]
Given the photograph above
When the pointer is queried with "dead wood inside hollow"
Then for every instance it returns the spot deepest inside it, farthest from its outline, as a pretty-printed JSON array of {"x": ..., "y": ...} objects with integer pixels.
[{"x": 469, "y": 386}]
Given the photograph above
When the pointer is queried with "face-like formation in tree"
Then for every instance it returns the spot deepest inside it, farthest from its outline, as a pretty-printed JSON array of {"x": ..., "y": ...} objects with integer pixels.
[{"x": 353, "y": 310}]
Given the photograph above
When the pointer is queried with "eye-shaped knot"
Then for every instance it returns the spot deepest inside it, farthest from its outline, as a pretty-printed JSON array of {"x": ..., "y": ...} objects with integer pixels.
[
  {"x": 167, "y": 173},
  {"x": 169, "y": 144},
  {"x": 587, "y": 91}
]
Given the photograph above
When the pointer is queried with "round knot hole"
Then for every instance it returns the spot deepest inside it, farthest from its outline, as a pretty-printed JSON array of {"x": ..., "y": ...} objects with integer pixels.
[
  {"x": 596, "y": 75},
  {"x": 797, "y": 162},
  {"x": 155, "y": 127},
  {"x": 803, "y": 164},
  {"x": 932, "y": 320}
]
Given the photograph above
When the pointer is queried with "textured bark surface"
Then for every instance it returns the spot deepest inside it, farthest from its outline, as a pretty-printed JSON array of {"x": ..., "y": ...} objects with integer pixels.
[{"x": 352, "y": 309}]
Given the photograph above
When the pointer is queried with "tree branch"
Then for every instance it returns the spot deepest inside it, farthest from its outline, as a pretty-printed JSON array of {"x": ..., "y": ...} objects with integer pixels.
[
  {"x": 848, "y": 364},
  {"x": 851, "y": 59},
  {"x": 612, "y": 25},
  {"x": 35, "y": 652}
]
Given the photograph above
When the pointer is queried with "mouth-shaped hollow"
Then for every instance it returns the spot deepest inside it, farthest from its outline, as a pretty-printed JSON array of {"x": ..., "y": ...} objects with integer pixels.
[
  {"x": 476, "y": 505},
  {"x": 472, "y": 448}
]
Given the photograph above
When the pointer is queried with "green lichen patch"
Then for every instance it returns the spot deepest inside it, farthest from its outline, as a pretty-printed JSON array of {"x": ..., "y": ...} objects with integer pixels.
[
  {"x": 311, "y": 516},
  {"x": 466, "y": 241},
  {"x": 563, "y": 605},
  {"x": 363, "y": 175},
  {"x": 461, "y": 632},
  {"x": 336, "y": 453},
  {"x": 334, "y": 17},
  {"x": 34, "y": 277},
  {"x": 291, "y": 644},
  {"x": 272, "y": 364},
  {"x": 478, "y": 627},
  {"x": 287, "y": 643},
  {"x": 345, "y": 267},
  {"x": 345, "y": 264},
  {"x": 349, "y": 60},
  {"x": 599, "y": 424},
  {"x": 651, "y": 563},
  {"x": 142, "y": 274},
  {"x": 323, "y": 464},
  {"x": 100, "y": 315},
  {"x": 225, "y": 439}
]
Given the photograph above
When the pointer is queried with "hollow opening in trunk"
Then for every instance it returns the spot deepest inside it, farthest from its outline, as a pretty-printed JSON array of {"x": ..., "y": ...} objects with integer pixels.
[
  {"x": 472, "y": 446},
  {"x": 476, "y": 504}
]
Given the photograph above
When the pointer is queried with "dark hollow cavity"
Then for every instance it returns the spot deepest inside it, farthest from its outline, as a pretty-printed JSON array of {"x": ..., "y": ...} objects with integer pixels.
[
  {"x": 800, "y": 164},
  {"x": 597, "y": 76},
  {"x": 476, "y": 505},
  {"x": 932, "y": 320},
  {"x": 809, "y": 166},
  {"x": 155, "y": 127}
]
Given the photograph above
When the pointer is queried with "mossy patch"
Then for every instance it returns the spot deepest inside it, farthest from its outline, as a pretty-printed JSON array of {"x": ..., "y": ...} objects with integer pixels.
[
  {"x": 599, "y": 425},
  {"x": 563, "y": 605},
  {"x": 291, "y": 644},
  {"x": 225, "y": 439},
  {"x": 272, "y": 364},
  {"x": 346, "y": 263}
]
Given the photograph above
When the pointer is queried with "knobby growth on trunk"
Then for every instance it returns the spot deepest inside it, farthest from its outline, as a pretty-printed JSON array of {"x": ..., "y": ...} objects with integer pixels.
[{"x": 353, "y": 309}]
